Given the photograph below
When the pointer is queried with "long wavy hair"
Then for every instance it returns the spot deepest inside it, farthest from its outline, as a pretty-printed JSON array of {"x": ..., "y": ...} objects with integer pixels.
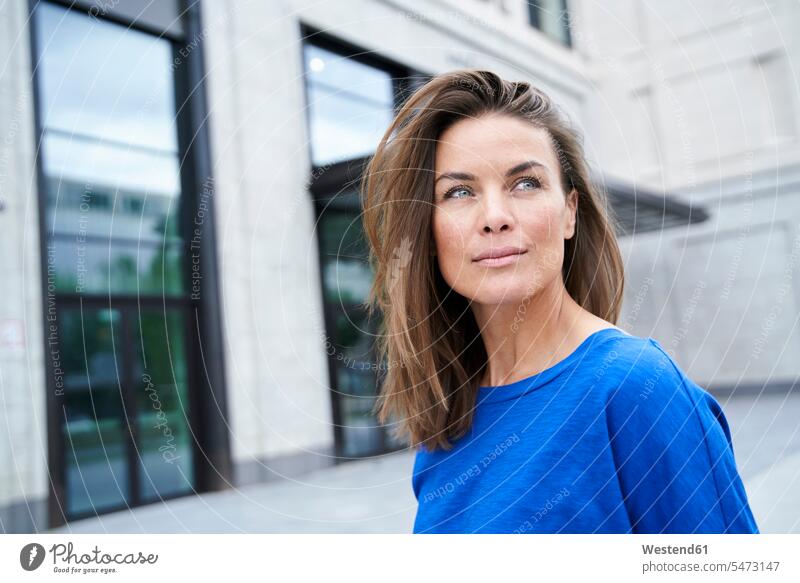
[{"x": 429, "y": 339}]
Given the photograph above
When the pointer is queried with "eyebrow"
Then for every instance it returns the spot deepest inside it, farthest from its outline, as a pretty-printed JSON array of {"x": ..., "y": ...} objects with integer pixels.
[{"x": 511, "y": 171}]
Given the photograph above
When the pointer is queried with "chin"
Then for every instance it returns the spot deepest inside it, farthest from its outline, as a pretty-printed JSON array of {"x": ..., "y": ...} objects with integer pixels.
[{"x": 493, "y": 290}]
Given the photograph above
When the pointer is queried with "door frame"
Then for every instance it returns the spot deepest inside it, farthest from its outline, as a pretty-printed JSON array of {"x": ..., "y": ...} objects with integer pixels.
[
  {"x": 205, "y": 349},
  {"x": 129, "y": 307}
]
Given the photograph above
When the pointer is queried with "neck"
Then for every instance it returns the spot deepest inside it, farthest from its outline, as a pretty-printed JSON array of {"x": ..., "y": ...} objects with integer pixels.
[{"x": 524, "y": 338}]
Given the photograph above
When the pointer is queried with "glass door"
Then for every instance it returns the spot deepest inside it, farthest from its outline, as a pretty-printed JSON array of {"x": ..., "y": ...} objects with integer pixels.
[
  {"x": 115, "y": 222},
  {"x": 94, "y": 430},
  {"x": 126, "y": 412},
  {"x": 161, "y": 397}
]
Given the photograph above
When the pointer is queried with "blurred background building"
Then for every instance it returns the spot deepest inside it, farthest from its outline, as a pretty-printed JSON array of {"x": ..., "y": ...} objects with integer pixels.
[{"x": 183, "y": 263}]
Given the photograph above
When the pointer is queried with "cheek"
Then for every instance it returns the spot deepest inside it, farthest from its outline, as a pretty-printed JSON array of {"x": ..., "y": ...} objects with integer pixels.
[
  {"x": 449, "y": 237},
  {"x": 544, "y": 229},
  {"x": 542, "y": 224}
]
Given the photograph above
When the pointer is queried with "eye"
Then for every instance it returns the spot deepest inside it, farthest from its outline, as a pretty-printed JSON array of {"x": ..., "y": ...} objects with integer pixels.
[
  {"x": 530, "y": 182},
  {"x": 456, "y": 189}
]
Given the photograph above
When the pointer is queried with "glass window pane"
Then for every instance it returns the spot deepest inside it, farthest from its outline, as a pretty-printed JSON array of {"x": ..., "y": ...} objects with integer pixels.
[
  {"x": 94, "y": 164},
  {"x": 346, "y": 270},
  {"x": 350, "y": 105},
  {"x": 354, "y": 338},
  {"x": 112, "y": 190},
  {"x": 93, "y": 428},
  {"x": 362, "y": 435},
  {"x": 110, "y": 155},
  {"x": 165, "y": 452},
  {"x": 103, "y": 267},
  {"x": 343, "y": 128},
  {"x": 106, "y": 81},
  {"x": 356, "y": 374},
  {"x": 552, "y": 19},
  {"x": 326, "y": 69},
  {"x": 82, "y": 210}
]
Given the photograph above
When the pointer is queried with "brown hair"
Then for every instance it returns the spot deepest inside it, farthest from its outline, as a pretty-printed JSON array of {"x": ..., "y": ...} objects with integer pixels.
[{"x": 429, "y": 337}]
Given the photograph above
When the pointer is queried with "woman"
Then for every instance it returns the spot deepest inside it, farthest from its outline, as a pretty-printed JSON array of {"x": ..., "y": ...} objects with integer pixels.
[{"x": 499, "y": 280}]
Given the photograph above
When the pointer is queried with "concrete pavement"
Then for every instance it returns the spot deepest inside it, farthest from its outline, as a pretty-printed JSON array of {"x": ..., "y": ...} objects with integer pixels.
[{"x": 375, "y": 496}]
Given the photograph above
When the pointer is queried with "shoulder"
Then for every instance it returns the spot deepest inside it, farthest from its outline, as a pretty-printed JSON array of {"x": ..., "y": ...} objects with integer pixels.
[
  {"x": 634, "y": 361},
  {"x": 649, "y": 387},
  {"x": 623, "y": 358}
]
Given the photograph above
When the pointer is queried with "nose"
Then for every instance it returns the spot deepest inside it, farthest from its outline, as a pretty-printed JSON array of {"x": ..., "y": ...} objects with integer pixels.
[{"x": 497, "y": 212}]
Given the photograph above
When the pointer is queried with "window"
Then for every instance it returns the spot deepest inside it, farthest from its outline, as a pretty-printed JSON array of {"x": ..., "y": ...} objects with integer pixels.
[
  {"x": 350, "y": 105},
  {"x": 552, "y": 18},
  {"x": 115, "y": 169},
  {"x": 352, "y": 97},
  {"x": 107, "y": 115}
]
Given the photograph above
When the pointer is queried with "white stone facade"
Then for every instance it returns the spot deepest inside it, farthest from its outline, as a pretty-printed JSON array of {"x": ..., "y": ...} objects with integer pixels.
[{"x": 671, "y": 95}]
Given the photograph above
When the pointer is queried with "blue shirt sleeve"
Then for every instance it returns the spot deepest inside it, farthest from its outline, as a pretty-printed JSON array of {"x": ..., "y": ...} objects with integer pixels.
[{"x": 673, "y": 452}]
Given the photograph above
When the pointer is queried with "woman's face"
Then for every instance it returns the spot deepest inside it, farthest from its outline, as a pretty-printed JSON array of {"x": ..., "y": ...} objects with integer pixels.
[{"x": 498, "y": 191}]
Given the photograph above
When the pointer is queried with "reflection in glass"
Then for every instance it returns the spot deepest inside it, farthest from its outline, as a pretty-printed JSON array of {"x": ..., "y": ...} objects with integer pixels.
[
  {"x": 552, "y": 18},
  {"x": 93, "y": 431},
  {"x": 110, "y": 155},
  {"x": 350, "y": 105},
  {"x": 104, "y": 80},
  {"x": 347, "y": 275},
  {"x": 113, "y": 206},
  {"x": 87, "y": 164},
  {"x": 356, "y": 369},
  {"x": 354, "y": 339},
  {"x": 361, "y": 434},
  {"x": 113, "y": 266},
  {"x": 165, "y": 452}
]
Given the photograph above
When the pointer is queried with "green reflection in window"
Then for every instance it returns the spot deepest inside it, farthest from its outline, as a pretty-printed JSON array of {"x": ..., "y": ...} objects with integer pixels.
[
  {"x": 346, "y": 270},
  {"x": 165, "y": 453},
  {"x": 93, "y": 429}
]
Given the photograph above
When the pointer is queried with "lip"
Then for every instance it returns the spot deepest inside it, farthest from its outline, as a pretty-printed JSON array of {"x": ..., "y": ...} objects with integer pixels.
[{"x": 500, "y": 256}]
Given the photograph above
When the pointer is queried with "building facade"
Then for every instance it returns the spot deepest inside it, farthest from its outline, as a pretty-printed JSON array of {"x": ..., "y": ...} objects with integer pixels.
[
  {"x": 184, "y": 266},
  {"x": 701, "y": 100}
]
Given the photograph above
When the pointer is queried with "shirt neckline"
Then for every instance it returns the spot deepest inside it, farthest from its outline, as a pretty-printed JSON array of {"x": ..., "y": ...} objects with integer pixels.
[{"x": 490, "y": 394}]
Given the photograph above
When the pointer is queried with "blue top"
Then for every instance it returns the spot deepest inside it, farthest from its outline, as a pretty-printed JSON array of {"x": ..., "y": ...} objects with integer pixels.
[{"x": 615, "y": 438}]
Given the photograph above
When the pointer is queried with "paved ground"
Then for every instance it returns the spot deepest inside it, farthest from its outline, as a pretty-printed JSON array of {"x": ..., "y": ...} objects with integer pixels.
[
  {"x": 766, "y": 441},
  {"x": 369, "y": 496},
  {"x": 374, "y": 496}
]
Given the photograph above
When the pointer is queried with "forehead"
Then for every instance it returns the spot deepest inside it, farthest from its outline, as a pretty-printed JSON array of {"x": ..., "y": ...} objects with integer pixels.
[{"x": 492, "y": 142}]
